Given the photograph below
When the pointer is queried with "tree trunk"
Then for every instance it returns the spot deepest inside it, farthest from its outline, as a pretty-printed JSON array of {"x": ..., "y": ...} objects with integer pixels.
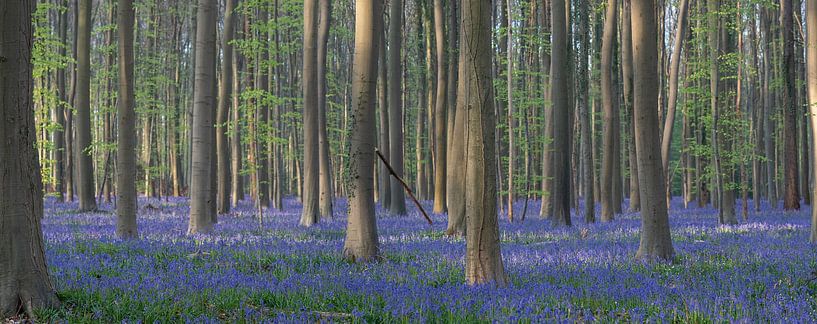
[
  {"x": 669, "y": 122},
  {"x": 483, "y": 258},
  {"x": 126, "y": 204},
  {"x": 627, "y": 71},
  {"x": 85, "y": 162},
  {"x": 309, "y": 198},
  {"x": 325, "y": 168},
  {"x": 361, "y": 230},
  {"x": 560, "y": 74},
  {"x": 236, "y": 163},
  {"x": 24, "y": 281},
  {"x": 811, "y": 67},
  {"x": 655, "y": 240},
  {"x": 224, "y": 102},
  {"x": 398, "y": 202},
  {"x": 440, "y": 111},
  {"x": 791, "y": 199},
  {"x": 608, "y": 98},
  {"x": 383, "y": 108},
  {"x": 201, "y": 217}
]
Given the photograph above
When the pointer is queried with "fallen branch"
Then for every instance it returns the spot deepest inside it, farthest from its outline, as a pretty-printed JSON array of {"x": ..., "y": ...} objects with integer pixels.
[{"x": 408, "y": 190}]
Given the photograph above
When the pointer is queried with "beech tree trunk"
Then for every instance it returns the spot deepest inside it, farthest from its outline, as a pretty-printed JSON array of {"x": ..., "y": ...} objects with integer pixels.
[
  {"x": 310, "y": 213},
  {"x": 608, "y": 101},
  {"x": 24, "y": 281},
  {"x": 126, "y": 204},
  {"x": 383, "y": 108},
  {"x": 791, "y": 199},
  {"x": 224, "y": 101},
  {"x": 85, "y": 162},
  {"x": 560, "y": 97},
  {"x": 440, "y": 111},
  {"x": 811, "y": 68},
  {"x": 627, "y": 81},
  {"x": 201, "y": 215},
  {"x": 325, "y": 167},
  {"x": 361, "y": 230},
  {"x": 483, "y": 258},
  {"x": 397, "y": 205},
  {"x": 655, "y": 242}
]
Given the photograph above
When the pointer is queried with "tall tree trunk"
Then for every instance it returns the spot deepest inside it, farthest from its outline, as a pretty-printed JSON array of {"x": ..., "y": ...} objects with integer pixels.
[
  {"x": 511, "y": 124},
  {"x": 627, "y": 75},
  {"x": 483, "y": 258},
  {"x": 236, "y": 163},
  {"x": 655, "y": 242},
  {"x": 310, "y": 214},
  {"x": 126, "y": 123},
  {"x": 791, "y": 200},
  {"x": 608, "y": 98},
  {"x": 398, "y": 201},
  {"x": 669, "y": 122},
  {"x": 440, "y": 110},
  {"x": 201, "y": 217},
  {"x": 560, "y": 74},
  {"x": 224, "y": 101},
  {"x": 85, "y": 162},
  {"x": 811, "y": 66},
  {"x": 361, "y": 231},
  {"x": 24, "y": 281},
  {"x": 383, "y": 109},
  {"x": 325, "y": 168},
  {"x": 547, "y": 152}
]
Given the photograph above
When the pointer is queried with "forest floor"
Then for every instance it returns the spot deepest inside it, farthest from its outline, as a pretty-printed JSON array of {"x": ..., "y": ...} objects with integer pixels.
[{"x": 759, "y": 271}]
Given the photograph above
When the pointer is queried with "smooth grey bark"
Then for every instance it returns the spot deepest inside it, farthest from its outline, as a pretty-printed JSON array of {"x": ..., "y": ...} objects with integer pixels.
[
  {"x": 224, "y": 176},
  {"x": 325, "y": 167},
  {"x": 627, "y": 86},
  {"x": 201, "y": 215},
  {"x": 483, "y": 258},
  {"x": 85, "y": 162},
  {"x": 126, "y": 204},
  {"x": 811, "y": 68},
  {"x": 440, "y": 111},
  {"x": 310, "y": 196},
  {"x": 456, "y": 173},
  {"x": 237, "y": 158},
  {"x": 655, "y": 242},
  {"x": 608, "y": 98},
  {"x": 361, "y": 230},
  {"x": 24, "y": 281},
  {"x": 383, "y": 108},
  {"x": 560, "y": 97},
  {"x": 398, "y": 201}
]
